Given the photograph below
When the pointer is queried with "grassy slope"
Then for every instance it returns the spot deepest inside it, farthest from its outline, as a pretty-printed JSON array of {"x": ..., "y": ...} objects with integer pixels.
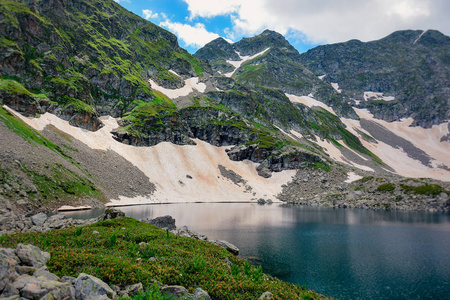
[{"x": 116, "y": 256}]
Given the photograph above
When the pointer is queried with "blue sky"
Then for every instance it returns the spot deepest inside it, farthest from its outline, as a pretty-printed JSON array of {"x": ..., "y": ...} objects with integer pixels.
[{"x": 305, "y": 23}]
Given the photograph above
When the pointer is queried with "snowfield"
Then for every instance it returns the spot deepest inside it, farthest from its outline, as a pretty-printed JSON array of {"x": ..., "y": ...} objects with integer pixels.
[{"x": 180, "y": 173}]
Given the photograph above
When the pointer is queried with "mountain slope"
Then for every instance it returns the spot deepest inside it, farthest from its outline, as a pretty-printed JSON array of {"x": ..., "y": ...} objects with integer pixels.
[
  {"x": 85, "y": 58},
  {"x": 410, "y": 68},
  {"x": 279, "y": 66}
]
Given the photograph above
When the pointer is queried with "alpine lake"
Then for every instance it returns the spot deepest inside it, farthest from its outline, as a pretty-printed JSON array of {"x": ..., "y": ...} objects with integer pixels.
[{"x": 341, "y": 253}]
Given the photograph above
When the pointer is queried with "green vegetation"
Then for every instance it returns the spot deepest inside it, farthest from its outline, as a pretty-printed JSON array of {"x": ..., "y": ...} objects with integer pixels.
[
  {"x": 119, "y": 253},
  {"x": 386, "y": 187},
  {"x": 425, "y": 189},
  {"x": 61, "y": 183}
]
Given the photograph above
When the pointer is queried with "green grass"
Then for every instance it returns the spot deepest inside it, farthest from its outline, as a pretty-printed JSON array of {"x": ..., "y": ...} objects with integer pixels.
[
  {"x": 425, "y": 189},
  {"x": 386, "y": 187},
  {"x": 115, "y": 256}
]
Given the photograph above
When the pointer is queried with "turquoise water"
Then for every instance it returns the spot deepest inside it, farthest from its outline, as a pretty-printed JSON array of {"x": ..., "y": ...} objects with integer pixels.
[{"x": 342, "y": 253}]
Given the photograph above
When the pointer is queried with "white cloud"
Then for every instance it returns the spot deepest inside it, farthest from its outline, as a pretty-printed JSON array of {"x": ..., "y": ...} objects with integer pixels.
[
  {"x": 148, "y": 14},
  {"x": 327, "y": 20},
  {"x": 202, "y": 8},
  {"x": 194, "y": 36}
]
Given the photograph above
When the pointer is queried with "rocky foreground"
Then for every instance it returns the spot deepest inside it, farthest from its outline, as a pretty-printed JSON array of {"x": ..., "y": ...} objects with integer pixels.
[{"x": 24, "y": 275}]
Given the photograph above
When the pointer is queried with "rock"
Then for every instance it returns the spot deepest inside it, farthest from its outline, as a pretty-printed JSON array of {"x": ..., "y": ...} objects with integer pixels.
[
  {"x": 200, "y": 294},
  {"x": 31, "y": 255},
  {"x": 261, "y": 201},
  {"x": 8, "y": 263},
  {"x": 33, "y": 291},
  {"x": 165, "y": 222},
  {"x": 132, "y": 290},
  {"x": 88, "y": 287},
  {"x": 266, "y": 295},
  {"x": 9, "y": 291},
  {"x": 39, "y": 219},
  {"x": 112, "y": 213},
  {"x": 224, "y": 244},
  {"x": 175, "y": 291}
]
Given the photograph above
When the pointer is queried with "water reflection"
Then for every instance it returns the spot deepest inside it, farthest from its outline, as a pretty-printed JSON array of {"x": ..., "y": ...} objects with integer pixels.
[{"x": 349, "y": 254}]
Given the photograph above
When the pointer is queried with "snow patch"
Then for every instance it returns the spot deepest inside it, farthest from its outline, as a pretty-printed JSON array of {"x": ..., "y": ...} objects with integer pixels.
[
  {"x": 352, "y": 176},
  {"x": 180, "y": 173},
  {"x": 377, "y": 96},
  {"x": 244, "y": 59},
  {"x": 419, "y": 37},
  {"x": 309, "y": 101},
  {"x": 174, "y": 73},
  {"x": 190, "y": 85},
  {"x": 73, "y": 208},
  {"x": 336, "y": 87},
  {"x": 321, "y": 77}
]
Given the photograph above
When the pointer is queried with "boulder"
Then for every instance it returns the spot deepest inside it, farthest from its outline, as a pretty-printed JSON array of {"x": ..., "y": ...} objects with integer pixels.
[
  {"x": 164, "y": 222},
  {"x": 31, "y": 255},
  {"x": 111, "y": 213},
  {"x": 88, "y": 287},
  {"x": 39, "y": 219},
  {"x": 229, "y": 246},
  {"x": 175, "y": 291},
  {"x": 200, "y": 294},
  {"x": 266, "y": 295},
  {"x": 8, "y": 263},
  {"x": 132, "y": 290}
]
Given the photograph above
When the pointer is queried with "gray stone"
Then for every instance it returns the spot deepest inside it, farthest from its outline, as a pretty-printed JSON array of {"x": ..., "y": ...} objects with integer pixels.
[
  {"x": 45, "y": 274},
  {"x": 112, "y": 213},
  {"x": 9, "y": 291},
  {"x": 266, "y": 295},
  {"x": 227, "y": 245},
  {"x": 31, "y": 255},
  {"x": 132, "y": 290},
  {"x": 16, "y": 297},
  {"x": 175, "y": 291},
  {"x": 8, "y": 263},
  {"x": 164, "y": 222},
  {"x": 200, "y": 294},
  {"x": 88, "y": 287},
  {"x": 33, "y": 290}
]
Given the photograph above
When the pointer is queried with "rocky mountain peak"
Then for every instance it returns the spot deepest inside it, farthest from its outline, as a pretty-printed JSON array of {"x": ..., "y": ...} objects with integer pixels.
[
  {"x": 216, "y": 50},
  {"x": 267, "y": 39}
]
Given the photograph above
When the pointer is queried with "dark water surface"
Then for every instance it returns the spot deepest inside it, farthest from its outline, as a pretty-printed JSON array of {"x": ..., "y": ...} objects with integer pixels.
[{"x": 342, "y": 253}]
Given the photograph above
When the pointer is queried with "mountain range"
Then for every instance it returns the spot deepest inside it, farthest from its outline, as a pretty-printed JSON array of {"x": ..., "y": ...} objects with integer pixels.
[{"x": 102, "y": 106}]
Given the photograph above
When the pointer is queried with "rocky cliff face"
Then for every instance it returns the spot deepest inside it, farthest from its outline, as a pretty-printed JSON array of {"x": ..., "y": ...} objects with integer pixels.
[
  {"x": 412, "y": 68},
  {"x": 279, "y": 67},
  {"x": 86, "y": 57}
]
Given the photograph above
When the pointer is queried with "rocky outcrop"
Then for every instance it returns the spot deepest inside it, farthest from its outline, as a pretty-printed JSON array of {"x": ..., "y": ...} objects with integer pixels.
[
  {"x": 382, "y": 192},
  {"x": 409, "y": 66},
  {"x": 164, "y": 222},
  {"x": 41, "y": 222},
  {"x": 23, "y": 275},
  {"x": 205, "y": 123},
  {"x": 270, "y": 162}
]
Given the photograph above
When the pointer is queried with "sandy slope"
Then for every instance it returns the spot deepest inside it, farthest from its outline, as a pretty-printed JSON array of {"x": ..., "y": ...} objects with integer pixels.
[
  {"x": 170, "y": 167},
  {"x": 427, "y": 140}
]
